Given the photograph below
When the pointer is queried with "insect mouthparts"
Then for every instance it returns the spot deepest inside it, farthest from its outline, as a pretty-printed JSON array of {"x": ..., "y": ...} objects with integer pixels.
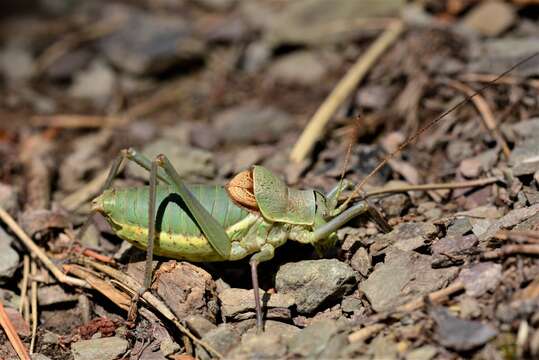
[{"x": 97, "y": 204}]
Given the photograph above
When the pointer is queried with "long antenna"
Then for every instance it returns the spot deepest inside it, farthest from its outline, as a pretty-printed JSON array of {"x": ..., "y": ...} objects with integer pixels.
[{"x": 414, "y": 137}]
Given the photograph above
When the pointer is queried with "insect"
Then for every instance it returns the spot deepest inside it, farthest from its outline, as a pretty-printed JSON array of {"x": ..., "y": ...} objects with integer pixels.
[
  {"x": 251, "y": 216},
  {"x": 255, "y": 213}
]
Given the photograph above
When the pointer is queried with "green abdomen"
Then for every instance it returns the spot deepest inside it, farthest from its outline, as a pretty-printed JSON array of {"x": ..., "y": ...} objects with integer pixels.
[{"x": 179, "y": 236}]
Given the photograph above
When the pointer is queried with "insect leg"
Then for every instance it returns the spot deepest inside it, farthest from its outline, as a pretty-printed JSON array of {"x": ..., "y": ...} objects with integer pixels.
[
  {"x": 214, "y": 232},
  {"x": 337, "y": 222},
  {"x": 266, "y": 253},
  {"x": 333, "y": 195}
]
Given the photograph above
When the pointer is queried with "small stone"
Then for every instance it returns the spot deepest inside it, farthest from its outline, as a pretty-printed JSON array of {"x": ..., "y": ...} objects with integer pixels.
[
  {"x": 8, "y": 198},
  {"x": 469, "y": 307},
  {"x": 268, "y": 345},
  {"x": 169, "y": 347},
  {"x": 16, "y": 63},
  {"x": 95, "y": 83},
  {"x": 284, "y": 330},
  {"x": 160, "y": 43},
  {"x": 252, "y": 123},
  {"x": 21, "y": 326},
  {"x": 312, "y": 340},
  {"x": 185, "y": 288},
  {"x": 223, "y": 339},
  {"x": 104, "y": 348},
  {"x": 480, "y": 278},
  {"x": 395, "y": 205},
  {"x": 314, "y": 282},
  {"x": 53, "y": 294},
  {"x": 454, "y": 244},
  {"x": 361, "y": 261},
  {"x": 199, "y": 324},
  {"x": 352, "y": 304},
  {"x": 404, "y": 276},
  {"x": 474, "y": 166},
  {"x": 490, "y": 18},
  {"x": 524, "y": 157},
  {"x": 460, "y": 226},
  {"x": 460, "y": 335},
  {"x": 407, "y": 236},
  {"x": 426, "y": 352},
  {"x": 9, "y": 258},
  {"x": 239, "y": 304},
  {"x": 37, "y": 356},
  {"x": 299, "y": 68},
  {"x": 216, "y": 5}
]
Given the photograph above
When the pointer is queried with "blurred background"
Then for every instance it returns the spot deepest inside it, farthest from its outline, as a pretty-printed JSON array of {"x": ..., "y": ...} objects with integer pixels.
[{"x": 220, "y": 85}]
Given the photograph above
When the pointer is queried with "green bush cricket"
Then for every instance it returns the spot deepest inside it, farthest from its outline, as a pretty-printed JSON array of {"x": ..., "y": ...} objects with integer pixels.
[{"x": 253, "y": 215}]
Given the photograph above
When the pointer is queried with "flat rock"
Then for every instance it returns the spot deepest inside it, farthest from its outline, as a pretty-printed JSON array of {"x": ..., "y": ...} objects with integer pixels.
[
  {"x": 426, "y": 352},
  {"x": 54, "y": 294},
  {"x": 527, "y": 128},
  {"x": 497, "y": 55},
  {"x": 313, "y": 340},
  {"x": 160, "y": 42},
  {"x": 268, "y": 345},
  {"x": 188, "y": 161},
  {"x": 186, "y": 289},
  {"x": 95, "y": 83},
  {"x": 490, "y": 18},
  {"x": 8, "y": 198},
  {"x": 404, "y": 276},
  {"x": 299, "y": 68},
  {"x": 223, "y": 339},
  {"x": 460, "y": 335},
  {"x": 9, "y": 258},
  {"x": 512, "y": 218},
  {"x": 314, "y": 282},
  {"x": 406, "y": 236},
  {"x": 454, "y": 244},
  {"x": 312, "y": 22},
  {"x": 480, "y": 278},
  {"x": 524, "y": 158},
  {"x": 474, "y": 166},
  {"x": 239, "y": 304},
  {"x": 252, "y": 123},
  {"x": 284, "y": 330},
  {"x": 199, "y": 324},
  {"x": 104, "y": 348},
  {"x": 361, "y": 261},
  {"x": 16, "y": 63}
]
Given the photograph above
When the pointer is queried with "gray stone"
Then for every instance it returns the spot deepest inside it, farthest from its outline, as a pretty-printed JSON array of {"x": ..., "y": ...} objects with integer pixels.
[
  {"x": 454, "y": 244},
  {"x": 480, "y": 278},
  {"x": 527, "y": 128},
  {"x": 95, "y": 83},
  {"x": 189, "y": 162},
  {"x": 490, "y": 18},
  {"x": 199, "y": 324},
  {"x": 104, "y": 348},
  {"x": 458, "y": 334},
  {"x": 252, "y": 123},
  {"x": 426, "y": 352},
  {"x": 239, "y": 304},
  {"x": 159, "y": 43},
  {"x": 16, "y": 63},
  {"x": 315, "y": 22},
  {"x": 313, "y": 340},
  {"x": 216, "y": 5},
  {"x": 314, "y": 282},
  {"x": 53, "y": 294},
  {"x": 361, "y": 261},
  {"x": 8, "y": 198},
  {"x": 223, "y": 339},
  {"x": 512, "y": 218},
  {"x": 403, "y": 276},
  {"x": 406, "y": 236},
  {"x": 497, "y": 55},
  {"x": 299, "y": 68},
  {"x": 524, "y": 157},
  {"x": 9, "y": 258},
  {"x": 268, "y": 345},
  {"x": 284, "y": 330}
]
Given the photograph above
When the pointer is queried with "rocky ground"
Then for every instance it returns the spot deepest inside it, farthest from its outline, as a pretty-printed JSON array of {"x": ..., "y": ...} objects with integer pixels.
[{"x": 220, "y": 85}]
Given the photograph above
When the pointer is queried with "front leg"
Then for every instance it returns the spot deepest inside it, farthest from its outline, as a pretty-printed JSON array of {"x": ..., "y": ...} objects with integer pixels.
[{"x": 339, "y": 221}]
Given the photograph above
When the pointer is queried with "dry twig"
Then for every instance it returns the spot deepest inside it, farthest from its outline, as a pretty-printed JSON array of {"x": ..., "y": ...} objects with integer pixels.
[
  {"x": 341, "y": 92},
  {"x": 11, "y": 334},
  {"x": 36, "y": 251},
  {"x": 33, "y": 305}
]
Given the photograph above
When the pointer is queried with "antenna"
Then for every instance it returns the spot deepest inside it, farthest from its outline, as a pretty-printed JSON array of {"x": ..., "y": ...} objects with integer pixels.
[{"x": 433, "y": 122}]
